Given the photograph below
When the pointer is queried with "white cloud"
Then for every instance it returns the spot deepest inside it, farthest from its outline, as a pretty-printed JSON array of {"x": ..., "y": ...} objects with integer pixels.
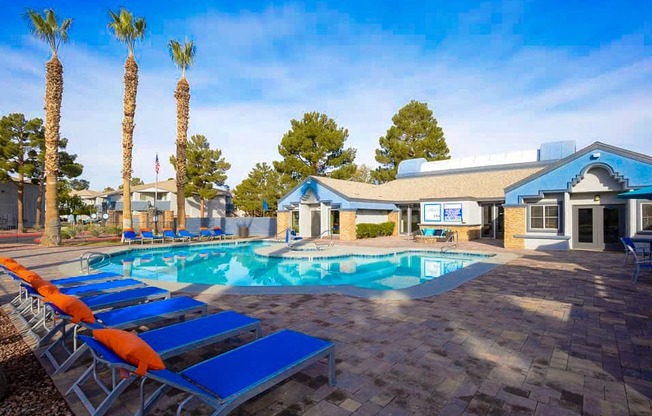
[{"x": 255, "y": 72}]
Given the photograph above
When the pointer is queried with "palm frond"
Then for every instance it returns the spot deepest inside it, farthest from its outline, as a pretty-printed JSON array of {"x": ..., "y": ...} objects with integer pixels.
[
  {"x": 46, "y": 27},
  {"x": 125, "y": 29},
  {"x": 182, "y": 56}
]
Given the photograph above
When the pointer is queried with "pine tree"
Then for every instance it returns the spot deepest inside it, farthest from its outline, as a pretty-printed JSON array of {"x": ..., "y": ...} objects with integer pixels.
[
  {"x": 314, "y": 146},
  {"x": 205, "y": 170},
  {"x": 262, "y": 184},
  {"x": 415, "y": 134}
]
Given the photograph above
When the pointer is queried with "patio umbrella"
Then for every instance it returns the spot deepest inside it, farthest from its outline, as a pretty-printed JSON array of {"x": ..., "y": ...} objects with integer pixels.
[{"x": 642, "y": 193}]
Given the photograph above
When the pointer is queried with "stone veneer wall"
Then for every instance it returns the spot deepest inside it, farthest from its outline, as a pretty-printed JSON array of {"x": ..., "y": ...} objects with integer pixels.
[
  {"x": 515, "y": 223},
  {"x": 393, "y": 216},
  {"x": 282, "y": 221},
  {"x": 347, "y": 225}
]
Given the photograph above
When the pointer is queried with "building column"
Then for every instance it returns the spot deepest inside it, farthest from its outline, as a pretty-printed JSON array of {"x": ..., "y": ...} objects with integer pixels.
[
  {"x": 567, "y": 215},
  {"x": 282, "y": 222},
  {"x": 325, "y": 216},
  {"x": 304, "y": 220},
  {"x": 393, "y": 217},
  {"x": 515, "y": 223},
  {"x": 631, "y": 217},
  {"x": 347, "y": 225}
]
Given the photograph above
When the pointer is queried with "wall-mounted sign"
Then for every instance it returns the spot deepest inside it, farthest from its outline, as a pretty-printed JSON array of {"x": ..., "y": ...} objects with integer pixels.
[
  {"x": 453, "y": 212},
  {"x": 432, "y": 213}
]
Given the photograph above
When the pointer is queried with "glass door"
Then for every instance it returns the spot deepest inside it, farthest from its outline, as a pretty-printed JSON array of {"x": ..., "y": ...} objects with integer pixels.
[
  {"x": 598, "y": 227},
  {"x": 488, "y": 220}
]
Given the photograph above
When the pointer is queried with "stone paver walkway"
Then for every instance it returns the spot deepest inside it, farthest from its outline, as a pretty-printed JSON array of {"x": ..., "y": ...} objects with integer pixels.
[{"x": 550, "y": 333}]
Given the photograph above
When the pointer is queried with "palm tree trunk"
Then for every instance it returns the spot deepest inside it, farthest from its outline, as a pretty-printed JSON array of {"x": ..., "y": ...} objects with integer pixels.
[
  {"x": 39, "y": 203},
  {"x": 131, "y": 89},
  {"x": 182, "y": 94},
  {"x": 53, "y": 97}
]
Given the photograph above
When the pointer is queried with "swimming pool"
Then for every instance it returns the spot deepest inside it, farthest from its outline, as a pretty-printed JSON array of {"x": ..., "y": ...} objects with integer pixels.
[{"x": 239, "y": 265}]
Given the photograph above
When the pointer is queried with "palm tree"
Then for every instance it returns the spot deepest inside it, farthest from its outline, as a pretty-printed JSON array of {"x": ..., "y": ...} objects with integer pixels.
[
  {"x": 46, "y": 27},
  {"x": 128, "y": 31},
  {"x": 183, "y": 56}
]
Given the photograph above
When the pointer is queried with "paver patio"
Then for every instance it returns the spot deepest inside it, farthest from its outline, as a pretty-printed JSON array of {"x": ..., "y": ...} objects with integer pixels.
[{"x": 550, "y": 333}]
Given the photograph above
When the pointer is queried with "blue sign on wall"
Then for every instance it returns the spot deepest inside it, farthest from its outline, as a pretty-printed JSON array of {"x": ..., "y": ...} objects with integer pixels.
[{"x": 452, "y": 212}]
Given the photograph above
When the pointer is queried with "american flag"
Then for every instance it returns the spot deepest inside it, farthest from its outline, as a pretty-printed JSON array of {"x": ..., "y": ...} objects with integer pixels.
[{"x": 157, "y": 165}]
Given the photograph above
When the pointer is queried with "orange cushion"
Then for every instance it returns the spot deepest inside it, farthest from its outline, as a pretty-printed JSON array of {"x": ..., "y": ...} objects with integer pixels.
[
  {"x": 15, "y": 267},
  {"x": 7, "y": 260},
  {"x": 45, "y": 288},
  {"x": 72, "y": 306},
  {"x": 130, "y": 348},
  {"x": 28, "y": 276}
]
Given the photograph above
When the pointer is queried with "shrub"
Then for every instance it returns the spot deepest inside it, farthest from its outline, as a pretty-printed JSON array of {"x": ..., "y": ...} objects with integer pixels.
[
  {"x": 113, "y": 230},
  {"x": 366, "y": 230},
  {"x": 95, "y": 232}
]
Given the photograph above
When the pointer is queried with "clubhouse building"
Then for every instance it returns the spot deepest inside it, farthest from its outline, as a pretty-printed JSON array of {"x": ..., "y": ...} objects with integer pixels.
[{"x": 553, "y": 197}]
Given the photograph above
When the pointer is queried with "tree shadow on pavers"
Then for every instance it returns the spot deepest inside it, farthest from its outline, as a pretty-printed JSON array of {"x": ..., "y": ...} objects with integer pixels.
[{"x": 571, "y": 331}]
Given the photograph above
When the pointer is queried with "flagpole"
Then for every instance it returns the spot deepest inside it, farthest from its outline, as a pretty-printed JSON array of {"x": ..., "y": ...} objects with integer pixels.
[{"x": 155, "y": 198}]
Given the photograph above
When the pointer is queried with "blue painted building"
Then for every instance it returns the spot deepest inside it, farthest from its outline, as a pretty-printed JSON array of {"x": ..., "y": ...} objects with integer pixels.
[
  {"x": 551, "y": 198},
  {"x": 573, "y": 204}
]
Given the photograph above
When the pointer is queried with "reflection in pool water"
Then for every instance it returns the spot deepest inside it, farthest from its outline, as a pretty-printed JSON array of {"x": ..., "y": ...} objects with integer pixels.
[{"x": 238, "y": 265}]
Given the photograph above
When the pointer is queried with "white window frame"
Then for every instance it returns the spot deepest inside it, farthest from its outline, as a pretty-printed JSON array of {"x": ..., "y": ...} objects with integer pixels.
[
  {"x": 643, "y": 204},
  {"x": 544, "y": 217}
]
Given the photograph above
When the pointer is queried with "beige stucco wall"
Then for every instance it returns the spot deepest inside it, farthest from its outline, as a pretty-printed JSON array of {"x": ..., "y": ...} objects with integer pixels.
[{"x": 515, "y": 223}]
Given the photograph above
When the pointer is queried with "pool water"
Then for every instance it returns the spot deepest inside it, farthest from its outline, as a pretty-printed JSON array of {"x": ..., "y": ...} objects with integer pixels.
[{"x": 239, "y": 265}]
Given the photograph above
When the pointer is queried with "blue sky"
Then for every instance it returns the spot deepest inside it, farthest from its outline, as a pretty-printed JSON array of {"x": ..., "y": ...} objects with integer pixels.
[{"x": 499, "y": 75}]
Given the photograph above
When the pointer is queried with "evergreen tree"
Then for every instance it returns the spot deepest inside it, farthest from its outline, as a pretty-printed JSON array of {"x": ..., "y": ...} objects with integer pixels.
[
  {"x": 314, "y": 146},
  {"x": 68, "y": 169},
  {"x": 262, "y": 184},
  {"x": 205, "y": 170},
  {"x": 16, "y": 135},
  {"x": 362, "y": 174},
  {"x": 415, "y": 134},
  {"x": 79, "y": 184}
]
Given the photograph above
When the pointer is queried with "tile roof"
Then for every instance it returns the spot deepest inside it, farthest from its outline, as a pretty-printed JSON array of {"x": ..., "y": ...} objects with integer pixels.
[{"x": 485, "y": 184}]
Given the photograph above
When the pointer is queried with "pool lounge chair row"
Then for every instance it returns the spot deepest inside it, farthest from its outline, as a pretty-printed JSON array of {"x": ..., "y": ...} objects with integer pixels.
[
  {"x": 223, "y": 382},
  {"x": 147, "y": 236}
]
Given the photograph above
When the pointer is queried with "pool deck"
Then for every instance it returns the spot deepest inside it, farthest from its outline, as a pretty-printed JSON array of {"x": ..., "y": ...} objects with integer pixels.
[{"x": 546, "y": 333}]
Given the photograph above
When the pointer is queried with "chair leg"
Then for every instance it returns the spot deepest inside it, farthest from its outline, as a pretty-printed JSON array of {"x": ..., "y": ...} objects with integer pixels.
[{"x": 637, "y": 270}]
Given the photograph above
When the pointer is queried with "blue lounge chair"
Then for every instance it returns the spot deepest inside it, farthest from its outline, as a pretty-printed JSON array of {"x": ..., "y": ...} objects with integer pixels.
[
  {"x": 642, "y": 251},
  {"x": 226, "y": 381},
  {"x": 129, "y": 236},
  {"x": 291, "y": 237},
  {"x": 169, "y": 341},
  {"x": 187, "y": 234},
  {"x": 205, "y": 233},
  {"x": 168, "y": 234},
  {"x": 24, "y": 300},
  {"x": 123, "y": 318},
  {"x": 640, "y": 263},
  {"x": 148, "y": 235},
  {"x": 220, "y": 234}
]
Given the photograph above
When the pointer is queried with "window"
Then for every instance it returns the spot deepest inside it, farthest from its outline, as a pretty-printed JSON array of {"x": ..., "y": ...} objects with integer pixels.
[
  {"x": 646, "y": 215},
  {"x": 295, "y": 221},
  {"x": 544, "y": 217}
]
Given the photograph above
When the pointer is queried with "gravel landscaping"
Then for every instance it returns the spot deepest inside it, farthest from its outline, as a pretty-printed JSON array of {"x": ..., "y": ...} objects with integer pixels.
[{"x": 30, "y": 389}]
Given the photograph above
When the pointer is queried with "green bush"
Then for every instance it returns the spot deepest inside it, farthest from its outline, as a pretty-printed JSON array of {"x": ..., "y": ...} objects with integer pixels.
[
  {"x": 95, "y": 232},
  {"x": 113, "y": 230},
  {"x": 366, "y": 230}
]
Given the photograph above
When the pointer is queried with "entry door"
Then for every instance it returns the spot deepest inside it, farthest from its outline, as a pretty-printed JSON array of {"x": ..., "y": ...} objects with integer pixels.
[
  {"x": 598, "y": 227},
  {"x": 488, "y": 220},
  {"x": 315, "y": 223}
]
